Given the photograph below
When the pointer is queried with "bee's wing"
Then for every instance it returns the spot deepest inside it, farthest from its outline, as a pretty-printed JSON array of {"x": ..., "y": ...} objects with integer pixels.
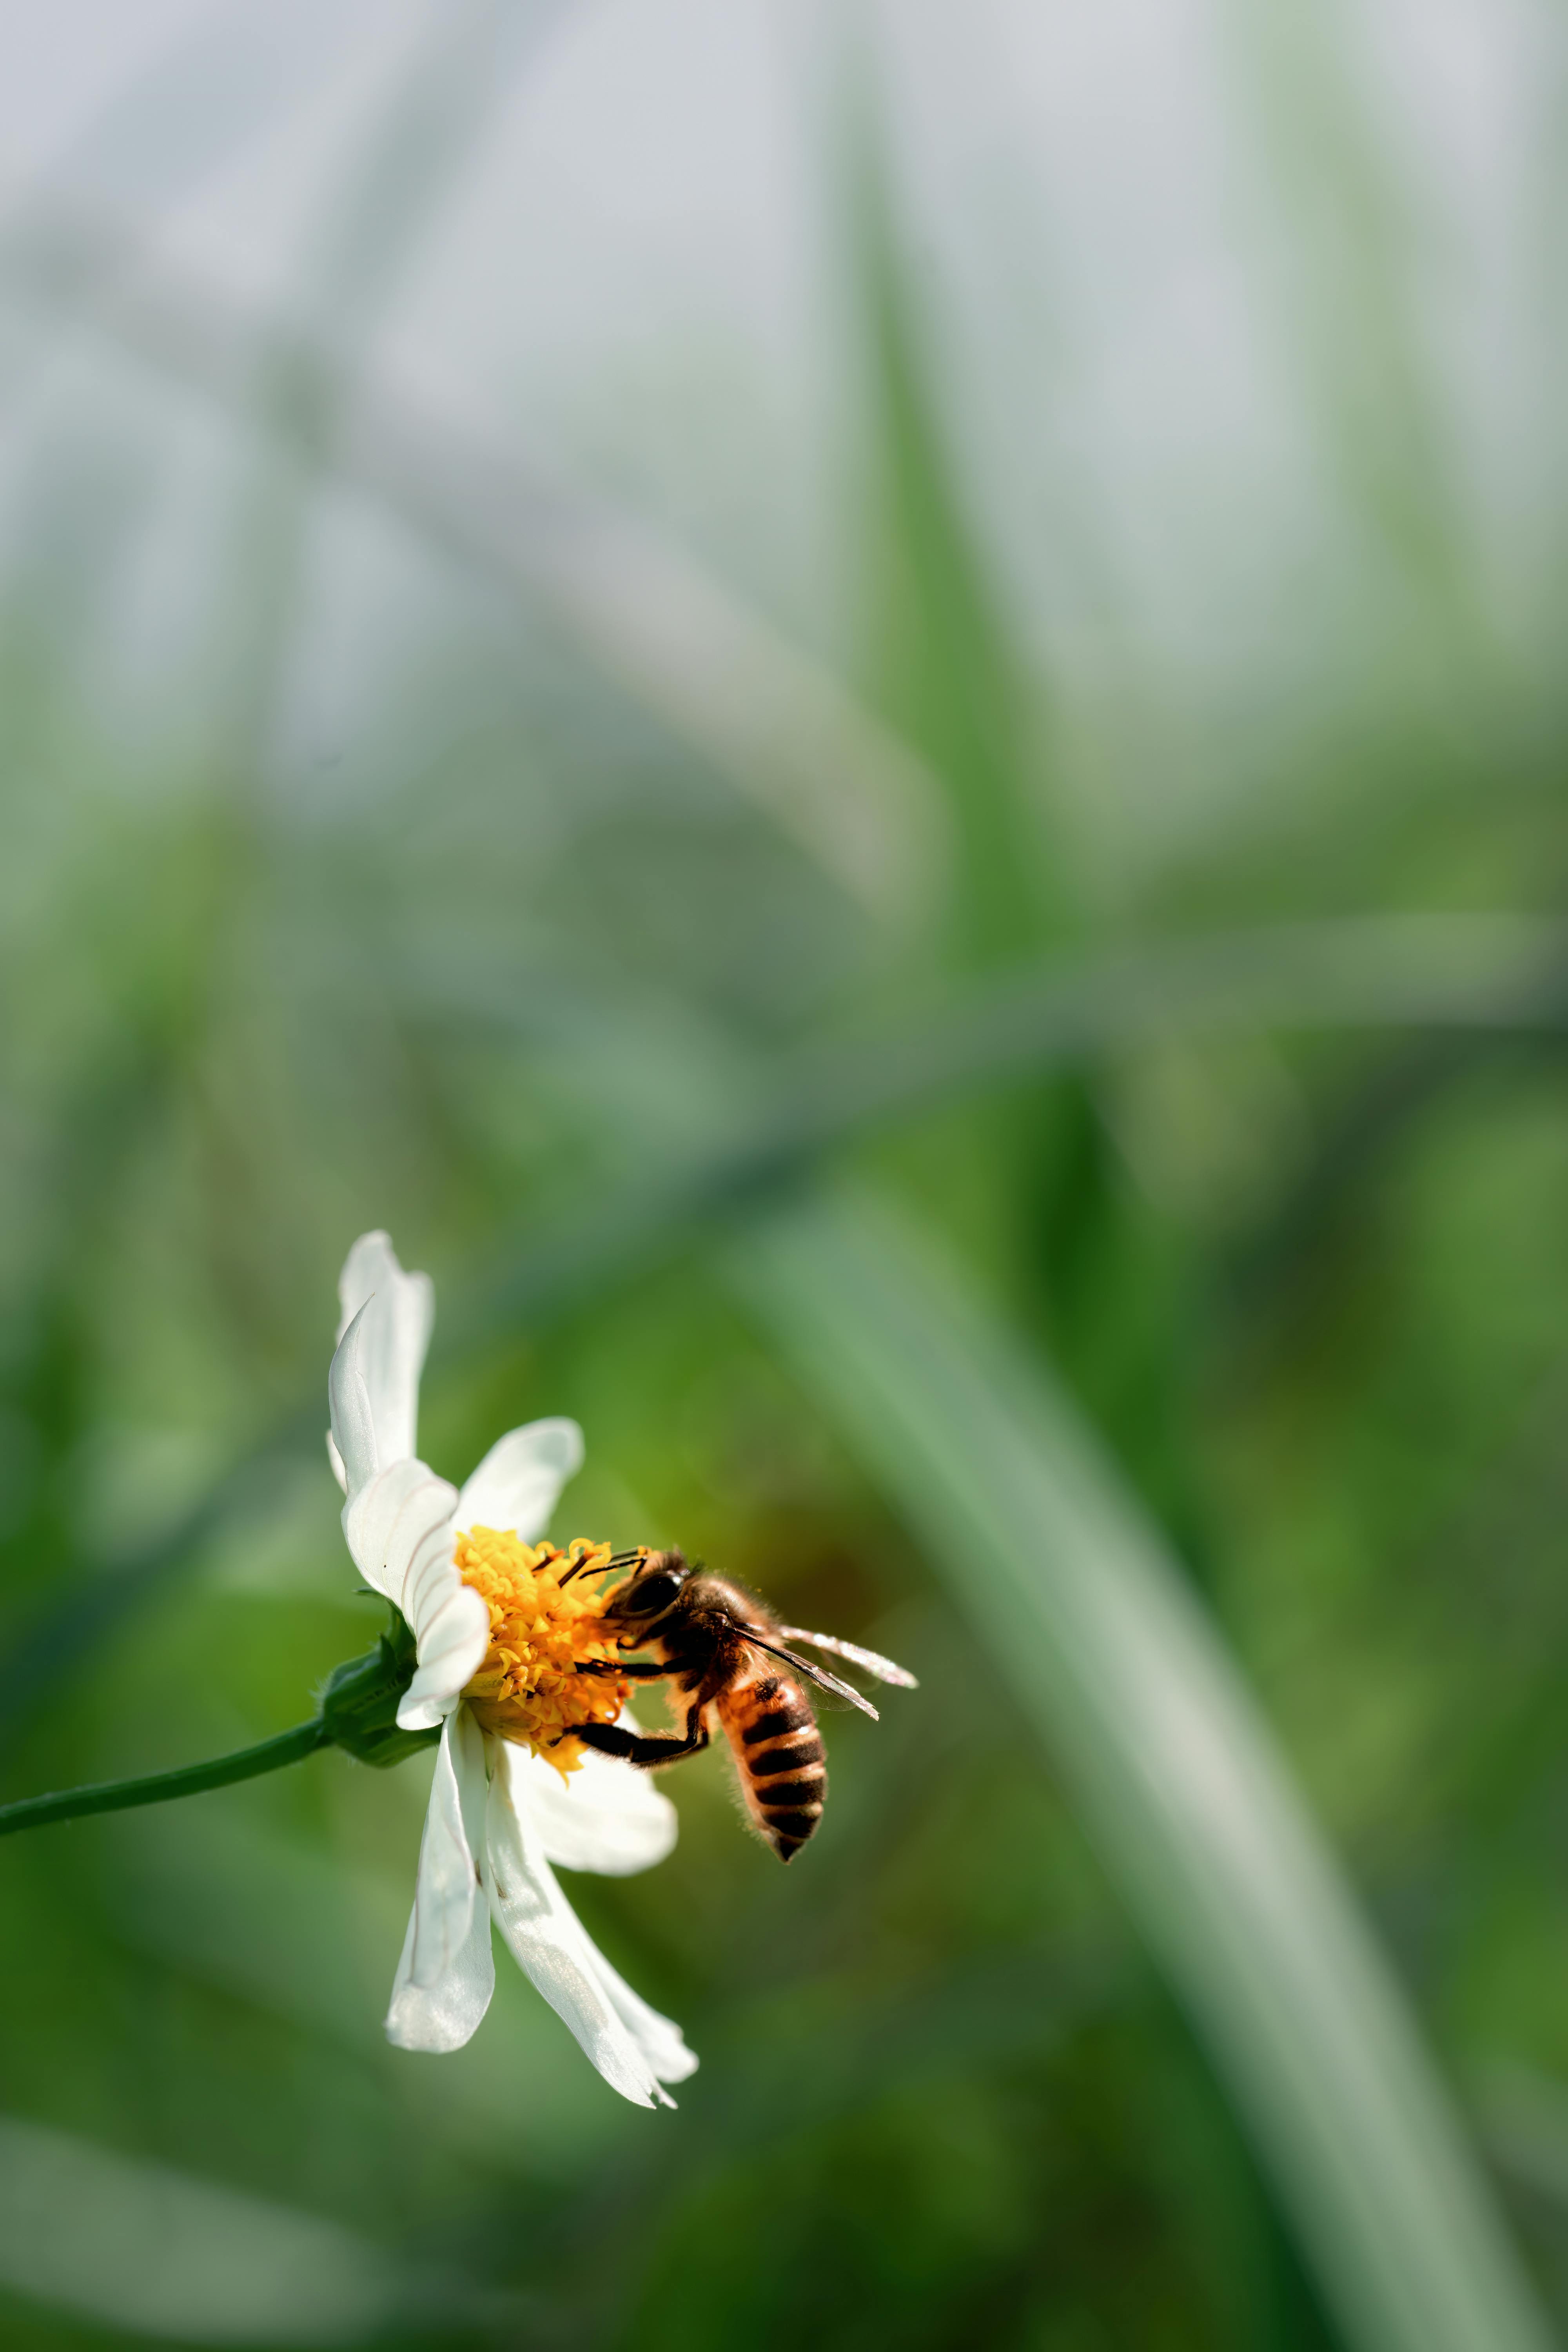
[
  {"x": 871, "y": 1661},
  {"x": 818, "y": 1674}
]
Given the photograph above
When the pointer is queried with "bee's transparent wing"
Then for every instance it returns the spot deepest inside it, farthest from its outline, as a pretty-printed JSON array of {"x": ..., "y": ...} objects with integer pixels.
[
  {"x": 818, "y": 1674},
  {"x": 871, "y": 1661}
]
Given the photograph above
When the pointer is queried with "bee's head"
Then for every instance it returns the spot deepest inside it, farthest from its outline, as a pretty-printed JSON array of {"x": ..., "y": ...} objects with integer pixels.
[{"x": 650, "y": 1589}]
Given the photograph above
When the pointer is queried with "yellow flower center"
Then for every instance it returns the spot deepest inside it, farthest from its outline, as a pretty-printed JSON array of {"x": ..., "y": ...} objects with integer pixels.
[{"x": 529, "y": 1688}]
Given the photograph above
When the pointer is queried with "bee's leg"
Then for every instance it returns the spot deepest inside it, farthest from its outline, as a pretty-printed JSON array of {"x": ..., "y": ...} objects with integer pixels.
[
  {"x": 630, "y": 1673},
  {"x": 647, "y": 1749}
]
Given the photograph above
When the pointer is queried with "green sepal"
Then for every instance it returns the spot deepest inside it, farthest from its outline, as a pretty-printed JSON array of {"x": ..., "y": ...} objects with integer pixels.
[{"x": 359, "y": 1705}]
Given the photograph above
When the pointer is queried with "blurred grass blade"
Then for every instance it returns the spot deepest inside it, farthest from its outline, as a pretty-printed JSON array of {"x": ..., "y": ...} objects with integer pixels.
[
  {"x": 1091, "y": 1625},
  {"x": 194, "y": 108},
  {"x": 1480, "y": 973},
  {"x": 1501, "y": 975},
  {"x": 1095, "y": 1264},
  {"x": 367, "y": 237},
  {"x": 943, "y": 659},
  {"x": 155, "y": 2252},
  {"x": 1523, "y": 2116},
  {"x": 776, "y": 724},
  {"x": 455, "y": 87},
  {"x": 1348, "y": 245}
]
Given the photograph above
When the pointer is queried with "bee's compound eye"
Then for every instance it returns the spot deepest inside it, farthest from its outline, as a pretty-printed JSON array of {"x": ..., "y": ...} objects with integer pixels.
[{"x": 650, "y": 1595}]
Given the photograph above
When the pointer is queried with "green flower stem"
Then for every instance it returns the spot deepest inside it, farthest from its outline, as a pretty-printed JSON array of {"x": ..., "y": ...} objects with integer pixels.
[{"x": 157, "y": 1788}]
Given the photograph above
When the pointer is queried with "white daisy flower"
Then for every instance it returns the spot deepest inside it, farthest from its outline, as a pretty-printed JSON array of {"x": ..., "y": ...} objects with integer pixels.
[{"x": 497, "y": 1640}]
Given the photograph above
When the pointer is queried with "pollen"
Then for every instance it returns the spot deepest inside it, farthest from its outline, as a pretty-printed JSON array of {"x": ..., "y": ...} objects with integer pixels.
[{"x": 530, "y": 1688}]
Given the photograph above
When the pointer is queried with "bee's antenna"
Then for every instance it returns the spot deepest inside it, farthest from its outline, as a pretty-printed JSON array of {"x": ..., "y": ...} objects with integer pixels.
[{"x": 617, "y": 1559}]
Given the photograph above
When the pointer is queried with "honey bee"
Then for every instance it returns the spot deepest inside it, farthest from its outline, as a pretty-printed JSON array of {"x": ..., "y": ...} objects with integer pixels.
[{"x": 727, "y": 1652}]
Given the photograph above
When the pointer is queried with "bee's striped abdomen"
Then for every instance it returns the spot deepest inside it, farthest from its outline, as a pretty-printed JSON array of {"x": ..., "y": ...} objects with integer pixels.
[{"x": 779, "y": 1755}]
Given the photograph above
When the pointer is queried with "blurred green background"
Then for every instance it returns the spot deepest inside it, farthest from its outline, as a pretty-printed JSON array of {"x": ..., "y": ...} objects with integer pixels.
[{"x": 862, "y": 713}]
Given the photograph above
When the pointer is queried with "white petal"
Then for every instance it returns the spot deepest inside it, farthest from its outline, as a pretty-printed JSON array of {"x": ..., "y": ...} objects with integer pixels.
[
  {"x": 447, "y": 1974},
  {"x": 398, "y": 1310},
  {"x": 516, "y": 1485},
  {"x": 399, "y": 1530},
  {"x": 630, "y": 2044},
  {"x": 451, "y": 1646},
  {"x": 350, "y": 1440},
  {"x": 336, "y": 1461},
  {"x": 658, "y": 2038},
  {"x": 606, "y": 1817}
]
